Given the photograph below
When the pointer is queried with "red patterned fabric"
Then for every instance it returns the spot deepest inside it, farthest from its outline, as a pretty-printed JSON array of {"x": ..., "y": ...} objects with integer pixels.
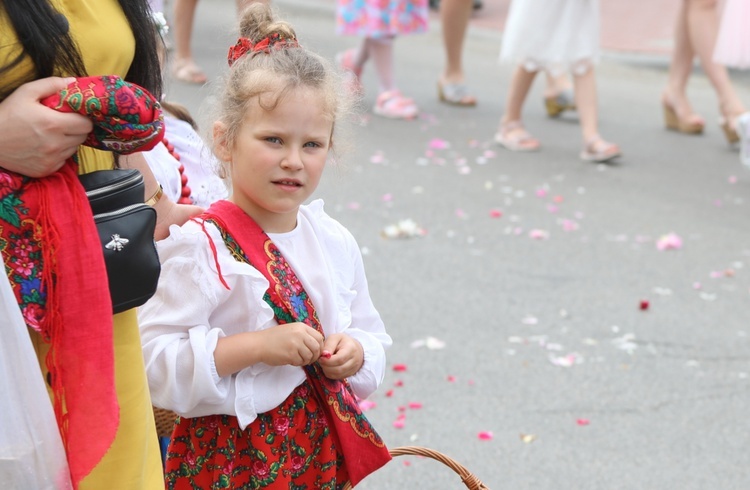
[
  {"x": 290, "y": 446},
  {"x": 245, "y": 45},
  {"x": 53, "y": 257},
  {"x": 363, "y": 449}
]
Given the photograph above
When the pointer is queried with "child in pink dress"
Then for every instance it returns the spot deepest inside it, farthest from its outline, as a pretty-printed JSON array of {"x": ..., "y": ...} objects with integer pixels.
[{"x": 379, "y": 22}]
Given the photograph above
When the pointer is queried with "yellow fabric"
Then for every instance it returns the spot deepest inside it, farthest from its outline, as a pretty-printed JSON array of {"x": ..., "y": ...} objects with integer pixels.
[{"x": 133, "y": 462}]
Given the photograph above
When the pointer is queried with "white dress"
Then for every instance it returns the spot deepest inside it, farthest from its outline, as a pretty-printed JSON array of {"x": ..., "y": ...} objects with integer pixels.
[
  {"x": 554, "y": 35},
  {"x": 733, "y": 42},
  {"x": 191, "y": 310}
]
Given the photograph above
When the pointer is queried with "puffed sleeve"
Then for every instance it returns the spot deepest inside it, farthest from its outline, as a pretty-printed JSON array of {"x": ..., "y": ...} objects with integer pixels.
[
  {"x": 181, "y": 324},
  {"x": 357, "y": 314}
]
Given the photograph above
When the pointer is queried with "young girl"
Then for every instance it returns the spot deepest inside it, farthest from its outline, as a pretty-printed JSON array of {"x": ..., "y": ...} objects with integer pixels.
[
  {"x": 380, "y": 22},
  {"x": 556, "y": 37},
  {"x": 262, "y": 330}
]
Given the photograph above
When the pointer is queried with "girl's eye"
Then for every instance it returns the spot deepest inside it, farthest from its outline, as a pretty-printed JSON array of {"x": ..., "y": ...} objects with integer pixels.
[
  {"x": 273, "y": 139},
  {"x": 312, "y": 144}
]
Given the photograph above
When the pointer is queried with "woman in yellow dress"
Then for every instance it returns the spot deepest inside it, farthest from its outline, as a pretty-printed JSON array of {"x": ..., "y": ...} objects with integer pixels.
[{"x": 41, "y": 41}]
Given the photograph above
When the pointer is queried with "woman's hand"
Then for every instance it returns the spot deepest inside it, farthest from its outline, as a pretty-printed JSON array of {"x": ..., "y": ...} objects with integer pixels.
[
  {"x": 35, "y": 140},
  {"x": 170, "y": 213},
  {"x": 342, "y": 356}
]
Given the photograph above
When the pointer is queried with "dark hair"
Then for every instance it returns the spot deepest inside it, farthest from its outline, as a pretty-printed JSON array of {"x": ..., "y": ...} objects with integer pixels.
[{"x": 46, "y": 40}]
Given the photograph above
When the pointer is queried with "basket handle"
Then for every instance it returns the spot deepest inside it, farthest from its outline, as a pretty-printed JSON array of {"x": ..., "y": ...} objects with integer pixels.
[{"x": 467, "y": 477}]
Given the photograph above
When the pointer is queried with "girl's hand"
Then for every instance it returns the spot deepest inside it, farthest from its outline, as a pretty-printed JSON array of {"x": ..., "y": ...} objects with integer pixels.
[
  {"x": 291, "y": 343},
  {"x": 35, "y": 140},
  {"x": 342, "y": 356}
]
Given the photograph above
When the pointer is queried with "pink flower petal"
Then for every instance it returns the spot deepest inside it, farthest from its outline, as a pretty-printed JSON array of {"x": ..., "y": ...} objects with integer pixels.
[
  {"x": 451, "y": 378},
  {"x": 670, "y": 241},
  {"x": 415, "y": 405},
  {"x": 495, "y": 213},
  {"x": 398, "y": 383},
  {"x": 399, "y": 424},
  {"x": 438, "y": 144},
  {"x": 366, "y": 405},
  {"x": 583, "y": 422},
  {"x": 485, "y": 435},
  {"x": 399, "y": 367}
]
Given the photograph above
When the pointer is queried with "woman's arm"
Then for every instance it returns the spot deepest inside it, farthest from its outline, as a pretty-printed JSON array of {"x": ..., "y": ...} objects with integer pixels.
[
  {"x": 35, "y": 140},
  {"x": 167, "y": 211}
]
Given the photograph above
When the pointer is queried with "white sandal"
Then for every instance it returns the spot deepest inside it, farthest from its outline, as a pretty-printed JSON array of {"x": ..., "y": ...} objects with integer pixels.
[
  {"x": 600, "y": 151},
  {"x": 514, "y": 137}
]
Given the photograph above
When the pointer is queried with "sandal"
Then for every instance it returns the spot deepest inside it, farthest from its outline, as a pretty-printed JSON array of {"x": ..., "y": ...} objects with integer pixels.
[
  {"x": 393, "y": 105},
  {"x": 352, "y": 74},
  {"x": 599, "y": 151},
  {"x": 514, "y": 137},
  {"x": 187, "y": 71},
  {"x": 689, "y": 124},
  {"x": 557, "y": 104},
  {"x": 455, "y": 94}
]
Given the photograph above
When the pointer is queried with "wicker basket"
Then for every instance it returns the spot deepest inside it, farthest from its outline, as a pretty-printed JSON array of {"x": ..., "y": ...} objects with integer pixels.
[
  {"x": 467, "y": 477},
  {"x": 164, "y": 421}
]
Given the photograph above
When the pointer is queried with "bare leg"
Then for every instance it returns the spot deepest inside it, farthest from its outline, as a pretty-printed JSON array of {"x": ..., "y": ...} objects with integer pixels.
[
  {"x": 520, "y": 84},
  {"x": 454, "y": 19},
  {"x": 184, "y": 67},
  {"x": 703, "y": 29},
  {"x": 586, "y": 101},
  {"x": 595, "y": 148},
  {"x": 362, "y": 54},
  {"x": 680, "y": 69},
  {"x": 381, "y": 51},
  {"x": 511, "y": 134}
]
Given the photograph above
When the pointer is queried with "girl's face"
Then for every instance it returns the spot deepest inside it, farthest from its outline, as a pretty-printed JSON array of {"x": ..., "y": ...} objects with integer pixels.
[{"x": 278, "y": 158}]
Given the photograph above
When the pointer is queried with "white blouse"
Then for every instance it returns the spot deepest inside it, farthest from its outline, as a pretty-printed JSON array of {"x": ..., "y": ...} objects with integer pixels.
[
  {"x": 191, "y": 309},
  {"x": 199, "y": 164}
]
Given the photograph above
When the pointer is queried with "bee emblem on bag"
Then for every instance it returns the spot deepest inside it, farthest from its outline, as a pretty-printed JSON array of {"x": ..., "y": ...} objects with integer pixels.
[{"x": 117, "y": 243}]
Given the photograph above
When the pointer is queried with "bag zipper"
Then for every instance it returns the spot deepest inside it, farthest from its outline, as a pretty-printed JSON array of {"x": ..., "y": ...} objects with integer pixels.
[
  {"x": 121, "y": 210},
  {"x": 135, "y": 179}
]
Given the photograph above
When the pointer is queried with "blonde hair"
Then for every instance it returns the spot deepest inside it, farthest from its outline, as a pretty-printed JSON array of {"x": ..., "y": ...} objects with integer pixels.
[{"x": 264, "y": 77}]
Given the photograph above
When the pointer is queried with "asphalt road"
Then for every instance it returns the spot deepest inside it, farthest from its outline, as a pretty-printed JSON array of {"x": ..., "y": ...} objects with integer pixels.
[{"x": 517, "y": 315}]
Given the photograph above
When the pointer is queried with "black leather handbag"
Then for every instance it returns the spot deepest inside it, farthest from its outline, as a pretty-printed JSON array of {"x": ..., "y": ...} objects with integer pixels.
[{"x": 126, "y": 230}]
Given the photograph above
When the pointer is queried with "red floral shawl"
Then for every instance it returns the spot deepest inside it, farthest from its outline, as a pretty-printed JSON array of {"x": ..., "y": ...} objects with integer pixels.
[
  {"x": 54, "y": 260},
  {"x": 363, "y": 449}
]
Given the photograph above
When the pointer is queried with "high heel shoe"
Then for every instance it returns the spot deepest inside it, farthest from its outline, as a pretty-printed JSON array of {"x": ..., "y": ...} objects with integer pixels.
[
  {"x": 672, "y": 121},
  {"x": 729, "y": 131},
  {"x": 557, "y": 104}
]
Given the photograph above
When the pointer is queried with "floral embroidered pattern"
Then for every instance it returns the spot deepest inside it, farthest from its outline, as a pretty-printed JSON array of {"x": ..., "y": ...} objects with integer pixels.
[
  {"x": 23, "y": 263},
  {"x": 290, "y": 446},
  {"x": 362, "y": 449}
]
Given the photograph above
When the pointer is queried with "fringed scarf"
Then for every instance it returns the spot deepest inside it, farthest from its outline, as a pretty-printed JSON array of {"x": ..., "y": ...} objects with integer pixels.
[
  {"x": 363, "y": 449},
  {"x": 54, "y": 260}
]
